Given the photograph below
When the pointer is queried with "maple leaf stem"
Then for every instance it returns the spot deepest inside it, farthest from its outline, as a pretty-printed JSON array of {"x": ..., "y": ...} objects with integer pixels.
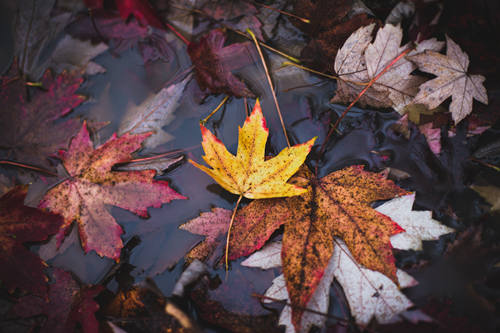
[
  {"x": 281, "y": 11},
  {"x": 229, "y": 231},
  {"x": 372, "y": 81},
  {"x": 204, "y": 121},
  {"x": 27, "y": 166},
  {"x": 256, "y": 42}
]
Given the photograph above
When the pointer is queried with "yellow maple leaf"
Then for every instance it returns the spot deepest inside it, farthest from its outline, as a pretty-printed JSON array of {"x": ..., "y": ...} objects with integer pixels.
[{"x": 248, "y": 174}]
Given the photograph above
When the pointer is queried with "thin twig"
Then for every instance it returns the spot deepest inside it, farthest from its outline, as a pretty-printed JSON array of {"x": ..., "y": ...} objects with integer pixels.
[
  {"x": 489, "y": 165},
  {"x": 229, "y": 230},
  {"x": 372, "y": 81},
  {"x": 29, "y": 167},
  {"x": 246, "y": 106},
  {"x": 281, "y": 12},
  {"x": 333, "y": 77},
  {"x": 270, "y": 84},
  {"x": 177, "y": 33},
  {"x": 204, "y": 121}
]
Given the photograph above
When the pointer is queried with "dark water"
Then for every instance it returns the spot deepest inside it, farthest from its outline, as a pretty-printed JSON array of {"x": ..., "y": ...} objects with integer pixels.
[{"x": 366, "y": 137}]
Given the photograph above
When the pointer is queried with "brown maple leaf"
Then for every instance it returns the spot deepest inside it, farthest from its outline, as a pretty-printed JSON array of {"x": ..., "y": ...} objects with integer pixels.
[
  {"x": 452, "y": 80},
  {"x": 91, "y": 185},
  {"x": 29, "y": 128},
  {"x": 337, "y": 205},
  {"x": 68, "y": 305},
  {"x": 20, "y": 224}
]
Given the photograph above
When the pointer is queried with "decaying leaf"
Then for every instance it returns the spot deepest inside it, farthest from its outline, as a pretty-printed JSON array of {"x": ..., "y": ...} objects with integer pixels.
[
  {"x": 452, "y": 80},
  {"x": 153, "y": 114},
  {"x": 68, "y": 305},
  {"x": 369, "y": 293},
  {"x": 491, "y": 194},
  {"x": 20, "y": 224},
  {"x": 214, "y": 62},
  {"x": 359, "y": 61},
  {"x": 91, "y": 185},
  {"x": 213, "y": 225},
  {"x": 336, "y": 205},
  {"x": 30, "y": 130},
  {"x": 247, "y": 173}
]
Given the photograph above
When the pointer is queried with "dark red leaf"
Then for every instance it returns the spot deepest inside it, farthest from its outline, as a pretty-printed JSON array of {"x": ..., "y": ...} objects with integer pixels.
[
  {"x": 141, "y": 10},
  {"x": 20, "y": 224},
  {"x": 29, "y": 130},
  {"x": 214, "y": 62},
  {"x": 68, "y": 304}
]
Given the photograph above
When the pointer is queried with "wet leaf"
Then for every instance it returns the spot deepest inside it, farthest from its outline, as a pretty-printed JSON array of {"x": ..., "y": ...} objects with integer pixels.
[
  {"x": 20, "y": 224},
  {"x": 213, "y": 225},
  {"x": 153, "y": 114},
  {"x": 68, "y": 305},
  {"x": 247, "y": 173},
  {"x": 30, "y": 130},
  {"x": 143, "y": 308},
  {"x": 91, "y": 185},
  {"x": 141, "y": 10},
  {"x": 121, "y": 35},
  {"x": 491, "y": 194},
  {"x": 359, "y": 61},
  {"x": 452, "y": 80},
  {"x": 214, "y": 62}
]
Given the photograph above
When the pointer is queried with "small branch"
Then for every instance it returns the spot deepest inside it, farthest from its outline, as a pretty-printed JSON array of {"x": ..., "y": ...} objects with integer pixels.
[
  {"x": 281, "y": 12},
  {"x": 177, "y": 33},
  {"x": 333, "y": 77},
  {"x": 204, "y": 121},
  {"x": 270, "y": 84},
  {"x": 229, "y": 230},
  {"x": 29, "y": 167},
  {"x": 494, "y": 167},
  {"x": 372, "y": 81}
]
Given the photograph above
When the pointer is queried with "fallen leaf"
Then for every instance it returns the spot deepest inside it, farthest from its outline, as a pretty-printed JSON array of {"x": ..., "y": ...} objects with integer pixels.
[
  {"x": 247, "y": 173},
  {"x": 75, "y": 55},
  {"x": 359, "y": 61},
  {"x": 153, "y": 114},
  {"x": 20, "y": 224},
  {"x": 144, "y": 308},
  {"x": 121, "y": 35},
  {"x": 91, "y": 185},
  {"x": 159, "y": 163},
  {"x": 35, "y": 29},
  {"x": 369, "y": 293},
  {"x": 30, "y": 126},
  {"x": 418, "y": 225},
  {"x": 452, "y": 80},
  {"x": 489, "y": 193},
  {"x": 213, "y": 225},
  {"x": 141, "y": 10},
  {"x": 336, "y": 205},
  {"x": 214, "y": 62},
  {"x": 68, "y": 305}
]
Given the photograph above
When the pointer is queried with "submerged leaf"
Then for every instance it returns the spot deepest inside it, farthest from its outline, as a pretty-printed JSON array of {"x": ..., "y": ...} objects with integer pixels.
[
  {"x": 92, "y": 185},
  {"x": 68, "y": 305},
  {"x": 247, "y": 173},
  {"x": 153, "y": 114},
  {"x": 20, "y": 224},
  {"x": 214, "y": 62},
  {"x": 29, "y": 128}
]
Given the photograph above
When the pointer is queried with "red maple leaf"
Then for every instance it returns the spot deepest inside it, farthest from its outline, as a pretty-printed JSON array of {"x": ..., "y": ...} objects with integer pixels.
[
  {"x": 20, "y": 224},
  {"x": 29, "y": 132},
  {"x": 67, "y": 305},
  {"x": 91, "y": 185},
  {"x": 214, "y": 62}
]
